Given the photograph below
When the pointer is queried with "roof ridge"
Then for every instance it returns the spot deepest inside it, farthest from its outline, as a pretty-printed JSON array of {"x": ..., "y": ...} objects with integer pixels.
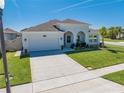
[
  {"x": 10, "y": 30},
  {"x": 50, "y": 25}
]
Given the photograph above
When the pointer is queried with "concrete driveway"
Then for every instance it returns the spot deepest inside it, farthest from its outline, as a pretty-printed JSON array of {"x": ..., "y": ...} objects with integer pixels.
[{"x": 52, "y": 64}]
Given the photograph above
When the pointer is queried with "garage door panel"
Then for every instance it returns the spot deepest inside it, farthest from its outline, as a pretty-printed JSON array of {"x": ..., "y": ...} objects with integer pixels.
[{"x": 39, "y": 42}]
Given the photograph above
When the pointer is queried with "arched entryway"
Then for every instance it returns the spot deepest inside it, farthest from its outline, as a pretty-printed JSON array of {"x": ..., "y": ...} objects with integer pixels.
[
  {"x": 68, "y": 39},
  {"x": 81, "y": 37}
]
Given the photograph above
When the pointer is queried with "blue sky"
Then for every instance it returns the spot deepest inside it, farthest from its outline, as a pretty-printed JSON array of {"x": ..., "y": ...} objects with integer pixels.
[{"x": 20, "y": 14}]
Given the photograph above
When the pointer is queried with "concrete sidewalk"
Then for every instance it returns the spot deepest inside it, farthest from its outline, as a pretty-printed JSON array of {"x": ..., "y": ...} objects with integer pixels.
[
  {"x": 26, "y": 88},
  {"x": 115, "y": 43},
  {"x": 98, "y": 85},
  {"x": 76, "y": 78}
]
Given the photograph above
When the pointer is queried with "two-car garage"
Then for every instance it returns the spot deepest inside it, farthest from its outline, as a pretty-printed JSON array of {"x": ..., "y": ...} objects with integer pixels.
[{"x": 41, "y": 41}]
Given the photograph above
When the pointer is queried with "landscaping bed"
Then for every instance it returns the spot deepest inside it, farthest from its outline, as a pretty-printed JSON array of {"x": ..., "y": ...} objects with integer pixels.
[
  {"x": 99, "y": 58},
  {"x": 19, "y": 70}
]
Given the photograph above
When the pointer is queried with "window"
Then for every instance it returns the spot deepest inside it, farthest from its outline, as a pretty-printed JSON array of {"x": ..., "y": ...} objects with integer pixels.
[{"x": 68, "y": 39}]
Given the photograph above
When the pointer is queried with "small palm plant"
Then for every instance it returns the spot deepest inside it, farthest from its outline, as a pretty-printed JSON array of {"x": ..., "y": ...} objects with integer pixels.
[{"x": 103, "y": 33}]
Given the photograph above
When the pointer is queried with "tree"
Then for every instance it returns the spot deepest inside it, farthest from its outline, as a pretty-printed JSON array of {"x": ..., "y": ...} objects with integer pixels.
[
  {"x": 103, "y": 33},
  {"x": 113, "y": 32}
]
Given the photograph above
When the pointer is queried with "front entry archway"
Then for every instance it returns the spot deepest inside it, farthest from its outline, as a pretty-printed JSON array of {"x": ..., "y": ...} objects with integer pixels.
[{"x": 68, "y": 39}]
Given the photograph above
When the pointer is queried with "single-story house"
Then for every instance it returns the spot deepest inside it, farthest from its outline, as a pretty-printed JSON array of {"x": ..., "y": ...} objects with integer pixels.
[
  {"x": 54, "y": 34},
  {"x": 13, "y": 40},
  {"x": 122, "y": 34},
  {"x": 10, "y": 34}
]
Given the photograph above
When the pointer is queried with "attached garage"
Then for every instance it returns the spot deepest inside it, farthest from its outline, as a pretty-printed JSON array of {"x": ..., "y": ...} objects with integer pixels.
[{"x": 41, "y": 41}]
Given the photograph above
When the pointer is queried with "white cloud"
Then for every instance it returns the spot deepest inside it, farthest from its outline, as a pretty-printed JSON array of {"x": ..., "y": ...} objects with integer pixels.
[
  {"x": 102, "y": 3},
  {"x": 72, "y": 6}
]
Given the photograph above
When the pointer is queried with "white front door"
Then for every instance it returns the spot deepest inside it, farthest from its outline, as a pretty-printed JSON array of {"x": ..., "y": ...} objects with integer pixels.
[{"x": 68, "y": 39}]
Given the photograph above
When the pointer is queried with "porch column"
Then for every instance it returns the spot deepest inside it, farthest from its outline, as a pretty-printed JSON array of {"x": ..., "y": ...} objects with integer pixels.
[
  {"x": 75, "y": 38},
  {"x": 87, "y": 38}
]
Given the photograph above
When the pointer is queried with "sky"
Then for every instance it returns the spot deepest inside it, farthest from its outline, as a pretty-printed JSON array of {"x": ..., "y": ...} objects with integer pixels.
[{"x": 20, "y": 14}]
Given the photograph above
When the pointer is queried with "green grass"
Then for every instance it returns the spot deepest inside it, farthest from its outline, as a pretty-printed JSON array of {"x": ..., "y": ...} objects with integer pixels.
[
  {"x": 113, "y": 40},
  {"x": 98, "y": 58},
  {"x": 117, "y": 77},
  {"x": 19, "y": 68}
]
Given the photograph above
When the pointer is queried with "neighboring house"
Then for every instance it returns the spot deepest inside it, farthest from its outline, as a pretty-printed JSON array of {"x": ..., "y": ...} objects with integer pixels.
[
  {"x": 55, "y": 33},
  {"x": 10, "y": 34},
  {"x": 13, "y": 40},
  {"x": 122, "y": 34}
]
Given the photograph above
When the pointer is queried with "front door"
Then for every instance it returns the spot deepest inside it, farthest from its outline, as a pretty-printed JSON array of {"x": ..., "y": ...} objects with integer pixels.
[{"x": 68, "y": 41}]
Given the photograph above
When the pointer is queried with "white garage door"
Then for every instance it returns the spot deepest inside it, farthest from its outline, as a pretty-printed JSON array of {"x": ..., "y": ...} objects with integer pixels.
[{"x": 43, "y": 41}]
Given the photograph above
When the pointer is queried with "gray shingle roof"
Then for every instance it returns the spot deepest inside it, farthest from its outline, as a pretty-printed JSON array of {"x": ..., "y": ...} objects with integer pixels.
[
  {"x": 9, "y": 30},
  {"x": 48, "y": 26},
  {"x": 71, "y": 21},
  {"x": 51, "y": 25}
]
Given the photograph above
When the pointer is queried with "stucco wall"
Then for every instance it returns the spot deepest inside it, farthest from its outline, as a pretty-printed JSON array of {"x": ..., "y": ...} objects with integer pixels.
[{"x": 75, "y": 29}]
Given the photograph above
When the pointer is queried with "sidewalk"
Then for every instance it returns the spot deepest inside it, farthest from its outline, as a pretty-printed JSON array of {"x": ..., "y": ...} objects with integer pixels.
[
  {"x": 26, "y": 88},
  {"x": 115, "y": 43},
  {"x": 73, "y": 79}
]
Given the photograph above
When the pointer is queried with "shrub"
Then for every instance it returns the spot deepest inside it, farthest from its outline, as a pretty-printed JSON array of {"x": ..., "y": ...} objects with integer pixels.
[
  {"x": 62, "y": 47},
  {"x": 72, "y": 46}
]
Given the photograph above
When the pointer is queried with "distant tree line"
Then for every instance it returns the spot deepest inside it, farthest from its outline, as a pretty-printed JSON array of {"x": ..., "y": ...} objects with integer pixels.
[{"x": 112, "y": 33}]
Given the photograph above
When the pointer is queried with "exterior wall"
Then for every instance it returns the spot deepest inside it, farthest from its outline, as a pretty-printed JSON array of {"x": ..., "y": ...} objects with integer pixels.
[
  {"x": 94, "y": 33},
  {"x": 75, "y": 29},
  {"x": 61, "y": 39},
  {"x": 34, "y": 41}
]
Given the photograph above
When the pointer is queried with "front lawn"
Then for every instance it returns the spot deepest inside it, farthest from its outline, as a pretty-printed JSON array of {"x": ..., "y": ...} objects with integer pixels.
[
  {"x": 113, "y": 40},
  {"x": 19, "y": 70},
  {"x": 117, "y": 77},
  {"x": 98, "y": 58}
]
